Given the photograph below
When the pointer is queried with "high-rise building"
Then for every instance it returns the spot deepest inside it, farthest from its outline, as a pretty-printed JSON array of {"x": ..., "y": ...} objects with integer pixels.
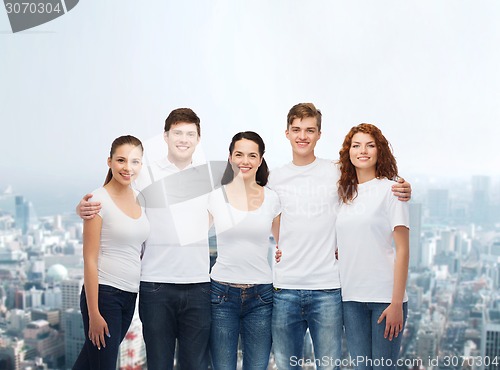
[
  {"x": 53, "y": 297},
  {"x": 415, "y": 232},
  {"x": 480, "y": 207},
  {"x": 426, "y": 343},
  {"x": 438, "y": 204},
  {"x": 490, "y": 338},
  {"x": 70, "y": 290},
  {"x": 74, "y": 336},
  {"x": 12, "y": 353},
  {"x": 22, "y": 214},
  {"x": 70, "y": 294}
]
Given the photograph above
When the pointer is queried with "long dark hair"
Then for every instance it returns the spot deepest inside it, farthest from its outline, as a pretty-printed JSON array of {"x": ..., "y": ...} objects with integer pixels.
[
  {"x": 262, "y": 172},
  {"x": 386, "y": 163},
  {"x": 119, "y": 141}
]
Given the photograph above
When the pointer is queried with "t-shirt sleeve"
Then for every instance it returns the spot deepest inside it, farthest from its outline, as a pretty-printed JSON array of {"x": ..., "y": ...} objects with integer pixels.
[
  {"x": 275, "y": 204},
  {"x": 398, "y": 211}
]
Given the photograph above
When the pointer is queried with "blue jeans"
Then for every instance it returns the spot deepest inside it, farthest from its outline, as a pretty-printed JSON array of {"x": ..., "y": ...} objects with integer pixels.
[
  {"x": 365, "y": 338},
  {"x": 246, "y": 312},
  {"x": 296, "y": 310},
  {"x": 117, "y": 308},
  {"x": 175, "y": 311}
]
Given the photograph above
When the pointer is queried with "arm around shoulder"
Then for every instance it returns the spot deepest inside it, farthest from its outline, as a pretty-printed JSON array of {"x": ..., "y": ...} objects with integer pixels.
[
  {"x": 402, "y": 190},
  {"x": 87, "y": 210}
]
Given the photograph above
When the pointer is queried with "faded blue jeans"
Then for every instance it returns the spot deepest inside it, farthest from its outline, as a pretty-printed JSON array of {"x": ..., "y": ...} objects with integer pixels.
[
  {"x": 246, "y": 312},
  {"x": 175, "y": 311},
  {"x": 296, "y": 310},
  {"x": 117, "y": 308},
  {"x": 365, "y": 338}
]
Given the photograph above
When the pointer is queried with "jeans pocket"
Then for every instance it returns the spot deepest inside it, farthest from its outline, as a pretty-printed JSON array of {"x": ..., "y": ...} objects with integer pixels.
[
  {"x": 109, "y": 290},
  {"x": 148, "y": 287},
  {"x": 216, "y": 298},
  {"x": 266, "y": 296}
]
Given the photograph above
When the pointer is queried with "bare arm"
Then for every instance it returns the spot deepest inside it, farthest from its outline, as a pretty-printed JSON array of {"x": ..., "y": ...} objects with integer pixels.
[
  {"x": 402, "y": 190},
  {"x": 87, "y": 210},
  {"x": 275, "y": 228},
  {"x": 210, "y": 220},
  {"x": 393, "y": 314},
  {"x": 91, "y": 240}
]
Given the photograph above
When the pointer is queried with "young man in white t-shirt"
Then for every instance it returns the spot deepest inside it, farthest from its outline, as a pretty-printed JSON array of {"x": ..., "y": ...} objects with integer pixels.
[
  {"x": 174, "y": 296},
  {"x": 306, "y": 281}
]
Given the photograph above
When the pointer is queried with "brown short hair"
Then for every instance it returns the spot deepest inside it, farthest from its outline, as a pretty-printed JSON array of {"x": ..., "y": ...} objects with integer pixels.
[
  {"x": 304, "y": 110},
  {"x": 182, "y": 115}
]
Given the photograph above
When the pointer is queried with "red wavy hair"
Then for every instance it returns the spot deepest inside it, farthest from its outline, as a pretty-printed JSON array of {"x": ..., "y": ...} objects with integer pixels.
[{"x": 386, "y": 163}]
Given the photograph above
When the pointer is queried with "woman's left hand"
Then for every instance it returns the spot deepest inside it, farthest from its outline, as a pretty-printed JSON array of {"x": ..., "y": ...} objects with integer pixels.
[{"x": 393, "y": 316}]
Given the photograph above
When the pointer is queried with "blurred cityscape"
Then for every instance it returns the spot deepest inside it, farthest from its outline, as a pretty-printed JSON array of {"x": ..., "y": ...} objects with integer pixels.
[{"x": 453, "y": 285}]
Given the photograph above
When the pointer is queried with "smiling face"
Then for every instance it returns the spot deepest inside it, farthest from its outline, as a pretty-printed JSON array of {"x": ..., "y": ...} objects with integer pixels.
[
  {"x": 125, "y": 163},
  {"x": 181, "y": 139},
  {"x": 303, "y": 135},
  {"x": 245, "y": 159},
  {"x": 363, "y": 152}
]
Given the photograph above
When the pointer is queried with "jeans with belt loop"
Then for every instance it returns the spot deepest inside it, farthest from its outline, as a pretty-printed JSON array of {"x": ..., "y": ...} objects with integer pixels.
[{"x": 245, "y": 312}]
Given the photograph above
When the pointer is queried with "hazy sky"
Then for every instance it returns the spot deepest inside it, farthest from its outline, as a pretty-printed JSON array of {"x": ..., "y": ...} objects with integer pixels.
[{"x": 426, "y": 72}]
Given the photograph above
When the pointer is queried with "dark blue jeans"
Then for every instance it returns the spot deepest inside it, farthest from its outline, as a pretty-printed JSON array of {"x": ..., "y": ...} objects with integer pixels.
[
  {"x": 117, "y": 308},
  {"x": 365, "y": 337},
  {"x": 294, "y": 311},
  {"x": 175, "y": 311},
  {"x": 241, "y": 312}
]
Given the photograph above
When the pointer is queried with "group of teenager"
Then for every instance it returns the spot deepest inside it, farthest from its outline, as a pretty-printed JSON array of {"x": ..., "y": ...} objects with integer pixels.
[{"x": 341, "y": 228}]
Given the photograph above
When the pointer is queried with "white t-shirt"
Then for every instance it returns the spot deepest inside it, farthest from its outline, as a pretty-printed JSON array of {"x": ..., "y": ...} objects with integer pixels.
[
  {"x": 243, "y": 239},
  {"x": 364, "y": 239},
  {"x": 176, "y": 205},
  {"x": 309, "y": 201},
  {"x": 119, "y": 260}
]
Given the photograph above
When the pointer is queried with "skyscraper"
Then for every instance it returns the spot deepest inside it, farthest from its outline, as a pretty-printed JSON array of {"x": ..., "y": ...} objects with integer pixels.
[
  {"x": 490, "y": 338},
  {"x": 73, "y": 336},
  {"x": 415, "y": 231},
  {"x": 22, "y": 214},
  {"x": 438, "y": 204},
  {"x": 480, "y": 207},
  {"x": 70, "y": 289},
  {"x": 70, "y": 292}
]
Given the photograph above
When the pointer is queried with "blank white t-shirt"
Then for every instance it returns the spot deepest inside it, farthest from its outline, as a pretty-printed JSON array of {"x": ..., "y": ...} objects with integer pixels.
[
  {"x": 243, "y": 239},
  {"x": 176, "y": 205},
  {"x": 119, "y": 260},
  {"x": 309, "y": 201},
  {"x": 364, "y": 239}
]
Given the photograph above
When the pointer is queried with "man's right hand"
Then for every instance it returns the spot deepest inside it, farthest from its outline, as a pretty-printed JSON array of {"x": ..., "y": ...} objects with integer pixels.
[{"x": 87, "y": 210}]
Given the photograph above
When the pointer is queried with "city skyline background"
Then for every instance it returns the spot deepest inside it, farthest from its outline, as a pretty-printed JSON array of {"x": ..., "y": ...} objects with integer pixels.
[{"x": 425, "y": 72}]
